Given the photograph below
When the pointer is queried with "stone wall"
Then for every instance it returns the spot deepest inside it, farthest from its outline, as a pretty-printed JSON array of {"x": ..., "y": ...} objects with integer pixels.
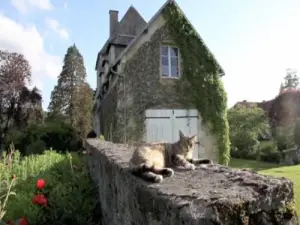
[{"x": 213, "y": 196}]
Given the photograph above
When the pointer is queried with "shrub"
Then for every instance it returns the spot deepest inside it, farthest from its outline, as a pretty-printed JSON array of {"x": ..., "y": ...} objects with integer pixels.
[
  {"x": 60, "y": 136},
  {"x": 245, "y": 145},
  {"x": 284, "y": 137},
  {"x": 246, "y": 125},
  {"x": 297, "y": 132},
  {"x": 69, "y": 191},
  {"x": 269, "y": 152},
  {"x": 35, "y": 138},
  {"x": 36, "y": 147}
]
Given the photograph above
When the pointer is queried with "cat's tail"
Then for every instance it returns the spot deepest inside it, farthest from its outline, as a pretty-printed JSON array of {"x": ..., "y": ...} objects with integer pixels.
[{"x": 145, "y": 172}]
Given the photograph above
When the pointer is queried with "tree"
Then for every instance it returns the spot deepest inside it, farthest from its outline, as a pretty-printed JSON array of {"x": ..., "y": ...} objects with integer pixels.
[
  {"x": 297, "y": 133},
  {"x": 281, "y": 88},
  {"x": 246, "y": 124},
  {"x": 291, "y": 80},
  {"x": 71, "y": 98},
  {"x": 28, "y": 108},
  {"x": 84, "y": 107},
  {"x": 15, "y": 74}
]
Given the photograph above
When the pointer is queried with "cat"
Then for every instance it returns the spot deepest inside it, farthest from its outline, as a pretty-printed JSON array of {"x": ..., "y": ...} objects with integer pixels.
[{"x": 154, "y": 161}]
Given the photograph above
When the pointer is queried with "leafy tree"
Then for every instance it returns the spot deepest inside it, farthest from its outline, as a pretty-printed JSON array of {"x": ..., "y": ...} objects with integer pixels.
[
  {"x": 71, "y": 98},
  {"x": 284, "y": 136},
  {"x": 246, "y": 124},
  {"x": 281, "y": 88},
  {"x": 18, "y": 104},
  {"x": 28, "y": 108},
  {"x": 291, "y": 80},
  {"x": 297, "y": 132},
  {"x": 84, "y": 107}
]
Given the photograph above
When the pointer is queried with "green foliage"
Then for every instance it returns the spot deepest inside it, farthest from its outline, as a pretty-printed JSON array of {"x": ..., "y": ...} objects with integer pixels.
[
  {"x": 35, "y": 147},
  {"x": 35, "y": 138},
  {"x": 284, "y": 136},
  {"x": 71, "y": 195},
  {"x": 246, "y": 125},
  {"x": 201, "y": 84},
  {"x": 244, "y": 145},
  {"x": 72, "y": 97},
  {"x": 297, "y": 132},
  {"x": 19, "y": 105},
  {"x": 291, "y": 80},
  {"x": 102, "y": 137},
  {"x": 269, "y": 152}
]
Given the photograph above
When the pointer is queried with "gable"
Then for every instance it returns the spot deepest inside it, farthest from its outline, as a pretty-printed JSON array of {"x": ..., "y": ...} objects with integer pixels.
[{"x": 155, "y": 23}]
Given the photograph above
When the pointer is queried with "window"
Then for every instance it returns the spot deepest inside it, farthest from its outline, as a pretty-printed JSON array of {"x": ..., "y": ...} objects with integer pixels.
[{"x": 169, "y": 62}]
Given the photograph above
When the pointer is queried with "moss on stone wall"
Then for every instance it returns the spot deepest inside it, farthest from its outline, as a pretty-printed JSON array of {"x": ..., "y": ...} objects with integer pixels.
[{"x": 201, "y": 83}]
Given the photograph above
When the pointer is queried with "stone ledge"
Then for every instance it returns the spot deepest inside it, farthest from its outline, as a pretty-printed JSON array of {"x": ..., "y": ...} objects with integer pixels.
[{"x": 213, "y": 195}]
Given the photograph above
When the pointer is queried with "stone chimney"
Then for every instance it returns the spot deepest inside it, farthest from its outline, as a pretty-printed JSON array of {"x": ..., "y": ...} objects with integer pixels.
[{"x": 113, "y": 21}]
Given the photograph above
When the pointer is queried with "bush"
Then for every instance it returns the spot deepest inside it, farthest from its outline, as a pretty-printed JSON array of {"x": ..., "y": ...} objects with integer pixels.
[
  {"x": 246, "y": 125},
  {"x": 69, "y": 190},
  {"x": 269, "y": 152},
  {"x": 35, "y": 138},
  {"x": 245, "y": 145},
  {"x": 36, "y": 147},
  {"x": 284, "y": 137},
  {"x": 297, "y": 132}
]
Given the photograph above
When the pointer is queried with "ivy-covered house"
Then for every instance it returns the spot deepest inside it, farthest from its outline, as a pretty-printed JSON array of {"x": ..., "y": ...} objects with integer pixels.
[{"x": 158, "y": 77}]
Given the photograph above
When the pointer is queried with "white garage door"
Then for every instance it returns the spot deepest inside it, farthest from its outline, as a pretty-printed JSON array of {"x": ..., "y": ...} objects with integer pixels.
[{"x": 164, "y": 125}]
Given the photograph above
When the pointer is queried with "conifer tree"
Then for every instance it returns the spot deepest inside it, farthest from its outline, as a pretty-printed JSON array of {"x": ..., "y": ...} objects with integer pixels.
[{"x": 71, "y": 98}]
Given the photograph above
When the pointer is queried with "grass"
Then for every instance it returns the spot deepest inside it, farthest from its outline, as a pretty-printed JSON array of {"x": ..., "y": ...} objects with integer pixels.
[
  {"x": 69, "y": 189},
  {"x": 290, "y": 172}
]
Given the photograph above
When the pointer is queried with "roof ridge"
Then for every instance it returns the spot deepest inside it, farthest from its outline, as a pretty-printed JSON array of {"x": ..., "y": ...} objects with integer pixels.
[{"x": 131, "y": 7}]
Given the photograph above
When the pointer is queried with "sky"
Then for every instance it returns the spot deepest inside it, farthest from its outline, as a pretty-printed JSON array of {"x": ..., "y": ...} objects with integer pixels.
[{"x": 254, "y": 41}]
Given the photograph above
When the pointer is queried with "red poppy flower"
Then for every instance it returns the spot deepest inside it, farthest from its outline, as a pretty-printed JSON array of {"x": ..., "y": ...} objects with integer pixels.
[
  {"x": 23, "y": 221},
  {"x": 40, "y": 184},
  {"x": 40, "y": 199}
]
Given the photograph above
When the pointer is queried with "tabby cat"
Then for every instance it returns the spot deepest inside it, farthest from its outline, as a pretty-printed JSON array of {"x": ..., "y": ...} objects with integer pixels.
[{"x": 154, "y": 161}]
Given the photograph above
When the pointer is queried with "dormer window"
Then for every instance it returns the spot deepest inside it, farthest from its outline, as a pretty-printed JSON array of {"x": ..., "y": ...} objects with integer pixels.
[{"x": 169, "y": 56}]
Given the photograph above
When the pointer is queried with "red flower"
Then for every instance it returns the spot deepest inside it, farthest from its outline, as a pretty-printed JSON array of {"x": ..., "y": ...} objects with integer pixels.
[
  {"x": 40, "y": 199},
  {"x": 40, "y": 184},
  {"x": 23, "y": 221}
]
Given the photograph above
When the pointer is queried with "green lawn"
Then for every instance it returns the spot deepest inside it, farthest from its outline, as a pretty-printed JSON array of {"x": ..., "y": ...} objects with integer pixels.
[{"x": 290, "y": 172}]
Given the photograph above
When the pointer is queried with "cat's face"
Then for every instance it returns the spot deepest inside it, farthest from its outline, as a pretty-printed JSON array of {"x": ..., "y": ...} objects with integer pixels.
[{"x": 187, "y": 143}]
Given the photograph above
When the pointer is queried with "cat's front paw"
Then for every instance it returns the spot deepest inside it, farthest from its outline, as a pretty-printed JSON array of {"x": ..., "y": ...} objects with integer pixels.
[
  {"x": 158, "y": 179},
  {"x": 190, "y": 166},
  {"x": 168, "y": 172}
]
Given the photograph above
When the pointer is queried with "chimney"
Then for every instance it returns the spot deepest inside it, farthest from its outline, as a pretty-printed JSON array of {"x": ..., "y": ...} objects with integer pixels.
[{"x": 113, "y": 21}]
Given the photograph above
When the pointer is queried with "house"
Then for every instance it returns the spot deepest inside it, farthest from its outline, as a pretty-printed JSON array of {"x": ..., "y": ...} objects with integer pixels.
[{"x": 138, "y": 70}]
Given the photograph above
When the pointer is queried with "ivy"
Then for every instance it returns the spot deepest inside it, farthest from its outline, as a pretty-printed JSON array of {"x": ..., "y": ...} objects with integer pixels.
[{"x": 200, "y": 84}]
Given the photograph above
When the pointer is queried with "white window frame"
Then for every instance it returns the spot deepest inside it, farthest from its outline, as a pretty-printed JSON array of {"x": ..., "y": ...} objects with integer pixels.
[{"x": 169, "y": 62}]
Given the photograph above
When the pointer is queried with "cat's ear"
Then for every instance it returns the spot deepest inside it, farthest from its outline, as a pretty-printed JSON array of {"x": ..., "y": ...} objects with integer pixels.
[
  {"x": 193, "y": 138},
  {"x": 181, "y": 135}
]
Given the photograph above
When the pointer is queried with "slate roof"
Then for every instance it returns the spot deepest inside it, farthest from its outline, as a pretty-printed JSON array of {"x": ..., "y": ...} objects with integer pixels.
[
  {"x": 132, "y": 25},
  {"x": 129, "y": 27},
  {"x": 221, "y": 70}
]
